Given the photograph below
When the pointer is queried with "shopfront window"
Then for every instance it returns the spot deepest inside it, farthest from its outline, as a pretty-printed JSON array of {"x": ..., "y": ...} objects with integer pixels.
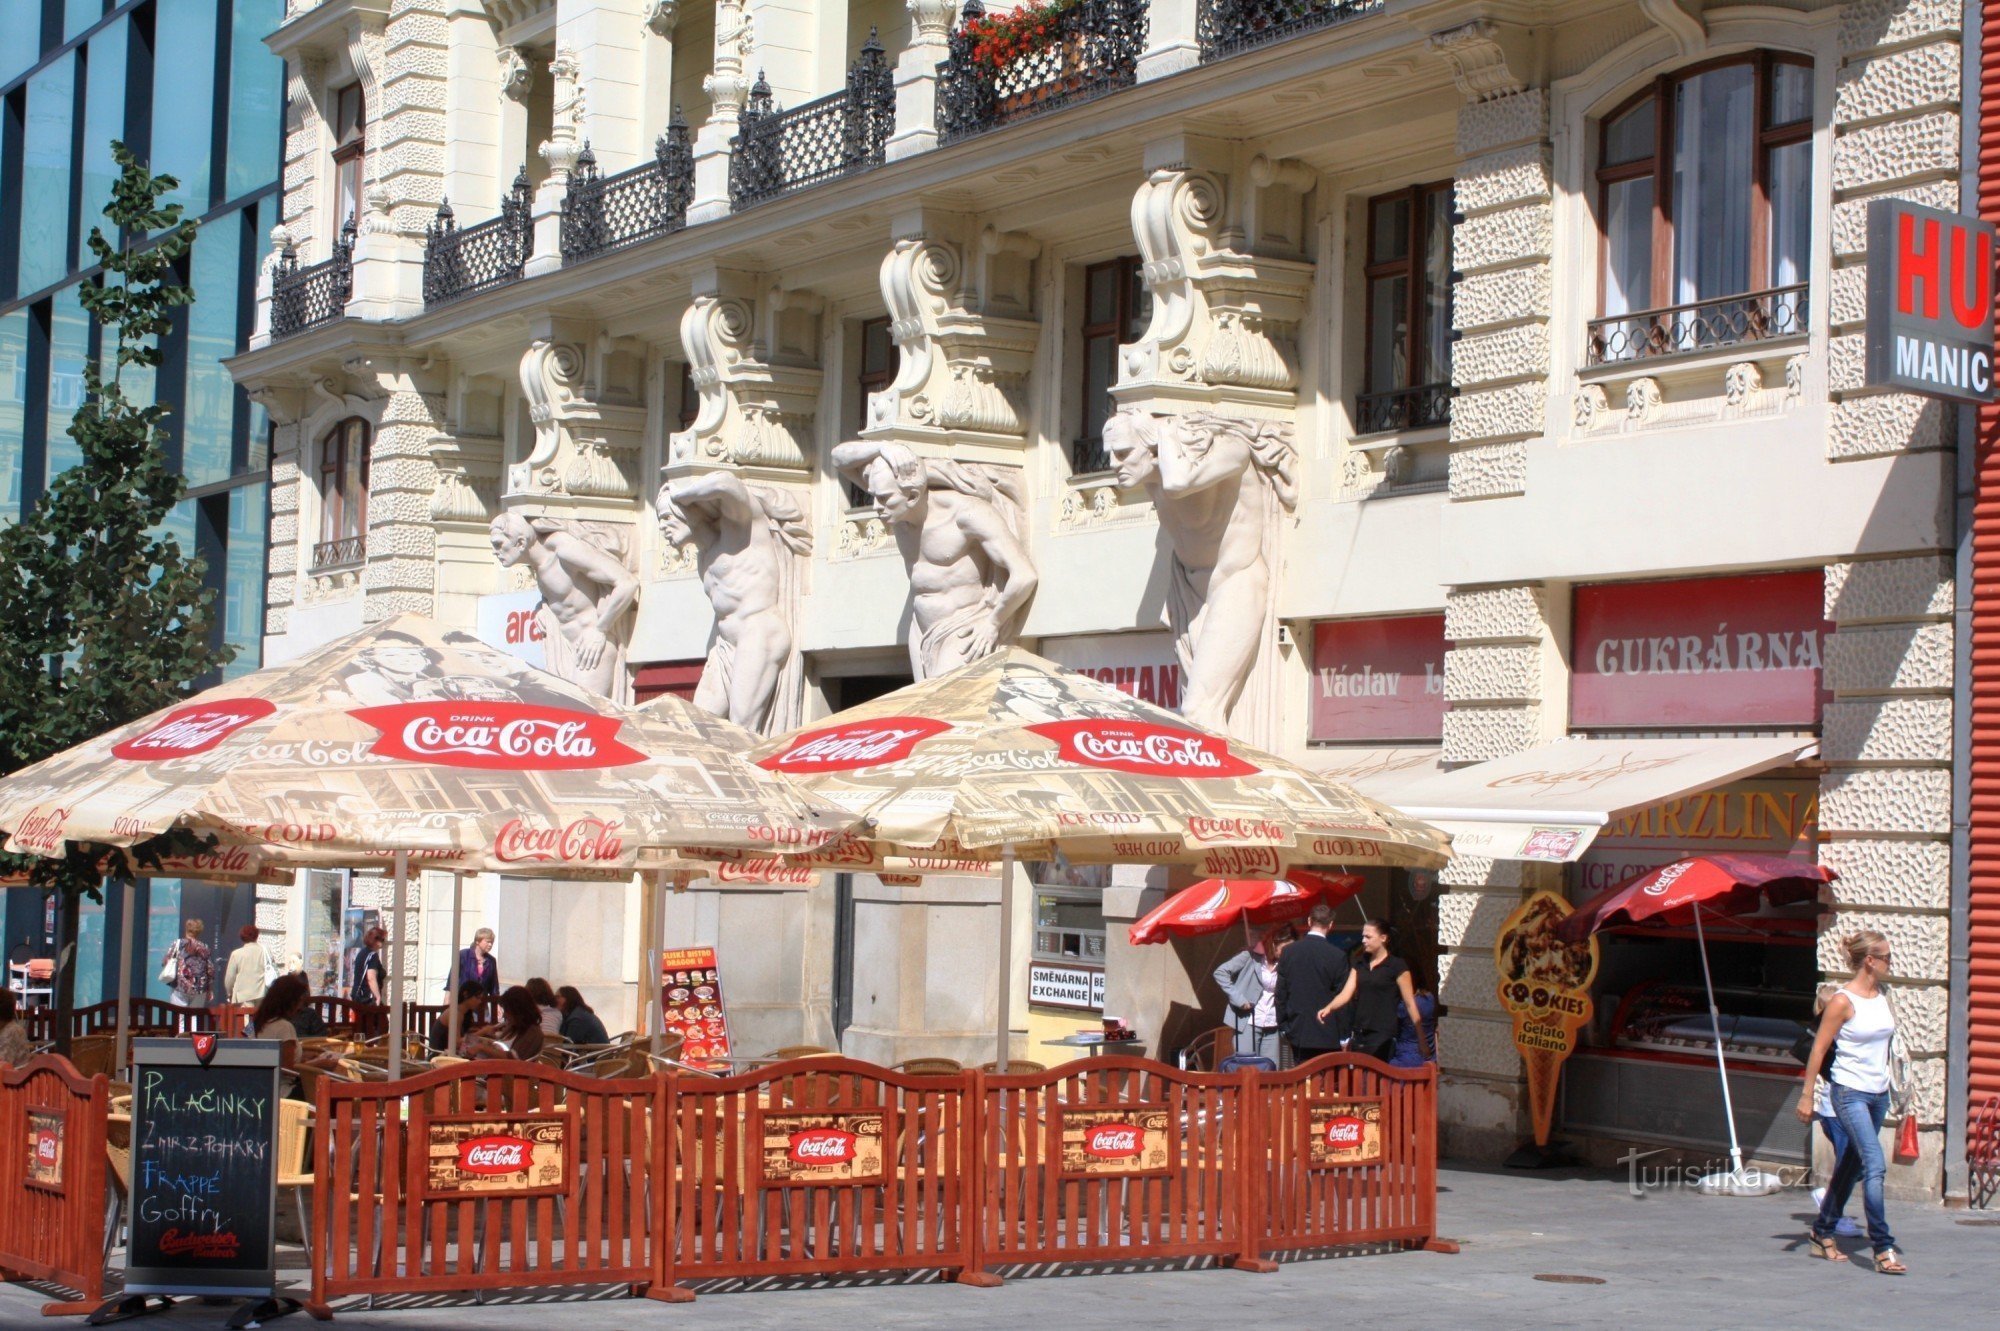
[
  {"x": 1116, "y": 309},
  {"x": 1407, "y": 329},
  {"x": 343, "y": 496}
]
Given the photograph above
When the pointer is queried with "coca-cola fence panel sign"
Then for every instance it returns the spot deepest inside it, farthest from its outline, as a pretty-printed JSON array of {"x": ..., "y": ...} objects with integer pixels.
[
  {"x": 527, "y": 1155},
  {"x": 45, "y": 1150},
  {"x": 1344, "y": 1132},
  {"x": 1117, "y": 1140},
  {"x": 798, "y": 1149}
]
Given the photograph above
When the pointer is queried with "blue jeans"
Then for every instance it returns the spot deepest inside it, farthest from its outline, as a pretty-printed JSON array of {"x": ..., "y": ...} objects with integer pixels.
[{"x": 1861, "y": 1114}]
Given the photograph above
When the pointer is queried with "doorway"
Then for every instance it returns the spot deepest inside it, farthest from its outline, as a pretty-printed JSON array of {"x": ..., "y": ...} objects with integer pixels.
[{"x": 843, "y": 692}]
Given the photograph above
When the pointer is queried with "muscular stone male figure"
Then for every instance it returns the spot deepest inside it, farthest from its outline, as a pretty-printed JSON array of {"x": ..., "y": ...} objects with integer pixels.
[{"x": 585, "y": 593}]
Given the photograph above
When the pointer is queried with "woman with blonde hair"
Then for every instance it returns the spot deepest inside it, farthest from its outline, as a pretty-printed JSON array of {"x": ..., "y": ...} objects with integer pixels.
[{"x": 1856, "y": 1032}]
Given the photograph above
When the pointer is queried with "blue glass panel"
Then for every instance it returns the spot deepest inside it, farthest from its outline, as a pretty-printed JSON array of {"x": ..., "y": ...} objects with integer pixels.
[
  {"x": 209, "y": 413},
  {"x": 256, "y": 97},
  {"x": 69, "y": 348},
  {"x": 45, "y": 168},
  {"x": 77, "y": 15},
  {"x": 103, "y": 121},
  {"x": 162, "y": 927},
  {"x": 243, "y": 580},
  {"x": 184, "y": 97},
  {"x": 20, "y": 37},
  {"x": 13, "y": 408},
  {"x": 95, "y": 953}
]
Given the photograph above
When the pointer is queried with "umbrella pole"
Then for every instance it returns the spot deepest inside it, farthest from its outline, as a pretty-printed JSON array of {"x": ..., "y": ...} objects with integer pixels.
[
  {"x": 451, "y": 1016},
  {"x": 1715, "y": 1025},
  {"x": 1006, "y": 977},
  {"x": 651, "y": 1020},
  {"x": 396, "y": 965},
  {"x": 119, "y": 1053}
]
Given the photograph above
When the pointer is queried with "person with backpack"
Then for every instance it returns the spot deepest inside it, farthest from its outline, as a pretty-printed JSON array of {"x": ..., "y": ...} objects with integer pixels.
[{"x": 249, "y": 971}]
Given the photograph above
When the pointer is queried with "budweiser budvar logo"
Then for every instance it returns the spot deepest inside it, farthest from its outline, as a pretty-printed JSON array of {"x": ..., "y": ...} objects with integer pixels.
[
  {"x": 41, "y": 832},
  {"x": 1143, "y": 749},
  {"x": 820, "y": 1146},
  {"x": 510, "y": 736},
  {"x": 855, "y": 745},
  {"x": 1344, "y": 1133},
  {"x": 488, "y": 1156},
  {"x": 186, "y": 731},
  {"x": 587, "y": 840},
  {"x": 1113, "y": 1141}
]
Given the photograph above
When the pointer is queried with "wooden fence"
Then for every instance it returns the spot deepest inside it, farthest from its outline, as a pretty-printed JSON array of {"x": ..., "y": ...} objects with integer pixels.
[
  {"x": 53, "y": 1159},
  {"x": 149, "y": 1016}
]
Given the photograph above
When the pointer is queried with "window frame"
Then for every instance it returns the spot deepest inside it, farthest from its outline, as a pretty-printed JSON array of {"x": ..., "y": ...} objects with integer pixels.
[
  {"x": 350, "y": 150},
  {"x": 1131, "y": 312},
  {"x": 1413, "y": 268},
  {"x": 343, "y": 515}
]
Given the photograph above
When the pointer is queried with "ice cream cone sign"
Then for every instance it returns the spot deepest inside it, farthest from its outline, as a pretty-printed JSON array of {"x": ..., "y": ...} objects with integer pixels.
[{"x": 1545, "y": 987}]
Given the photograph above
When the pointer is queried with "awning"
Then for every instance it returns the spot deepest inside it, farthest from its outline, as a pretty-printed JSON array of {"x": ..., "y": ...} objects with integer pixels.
[
  {"x": 1379, "y": 773},
  {"x": 1550, "y": 802}
]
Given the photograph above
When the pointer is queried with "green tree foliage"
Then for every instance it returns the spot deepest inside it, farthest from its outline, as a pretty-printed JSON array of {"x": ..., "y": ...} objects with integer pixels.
[{"x": 103, "y": 617}]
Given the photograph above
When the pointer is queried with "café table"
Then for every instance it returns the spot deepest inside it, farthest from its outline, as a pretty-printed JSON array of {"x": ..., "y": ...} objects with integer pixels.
[{"x": 1096, "y": 1044}]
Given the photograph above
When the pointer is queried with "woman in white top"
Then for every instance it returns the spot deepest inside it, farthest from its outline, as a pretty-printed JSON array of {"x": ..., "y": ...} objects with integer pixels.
[
  {"x": 1249, "y": 983},
  {"x": 1855, "y": 1031}
]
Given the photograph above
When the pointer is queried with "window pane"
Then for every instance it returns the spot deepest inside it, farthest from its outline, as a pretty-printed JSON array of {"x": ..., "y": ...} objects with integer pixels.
[
  {"x": 1388, "y": 333},
  {"x": 243, "y": 585},
  {"x": 1436, "y": 367},
  {"x": 1791, "y": 94},
  {"x": 1714, "y": 134},
  {"x": 1628, "y": 245},
  {"x": 1100, "y": 298},
  {"x": 876, "y": 348},
  {"x": 1100, "y": 368},
  {"x": 20, "y": 37},
  {"x": 1790, "y": 179},
  {"x": 103, "y": 121},
  {"x": 209, "y": 416},
  {"x": 184, "y": 97},
  {"x": 1630, "y": 137},
  {"x": 78, "y": 15},
  {"x": 45, "y": 168},
  {"x": 256, "y": 80},
  {"x": 69, "y": 347},
  {"x": 354, "y": 480},
  {"x": 13, "y": 408},
  {"x": 1389, "y": 223},
  {"x": 1138, "y": 304}
]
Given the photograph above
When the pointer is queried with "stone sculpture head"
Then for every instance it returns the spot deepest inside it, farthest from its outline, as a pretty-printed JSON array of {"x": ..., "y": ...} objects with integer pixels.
[
  {"x": 897, "y": 487},
  {"x": 511, "y": 535},
  {"x": 1131, "y": 441}
]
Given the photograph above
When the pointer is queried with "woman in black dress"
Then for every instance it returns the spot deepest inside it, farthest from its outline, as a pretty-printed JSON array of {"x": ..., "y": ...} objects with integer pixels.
[{"x": 1383, "y": 992}]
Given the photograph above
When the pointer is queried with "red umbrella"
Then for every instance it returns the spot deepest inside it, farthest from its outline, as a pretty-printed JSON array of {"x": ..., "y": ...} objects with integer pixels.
[
  {"x": 1215, "y": 904},
  {"x": 1718, "y": 884}
]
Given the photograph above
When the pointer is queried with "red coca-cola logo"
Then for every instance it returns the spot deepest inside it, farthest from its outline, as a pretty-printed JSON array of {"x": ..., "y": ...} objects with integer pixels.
[
  {"x": 186, "y": 731},
  {"x": 490, "y": 1156},
  {"x": 767, "y": 869},
  {"x": 48, "y": 1145},
  {"x": 1113, "y": 1141},
  {"x": 846, "y": 852},
  {"x": 820, "y": 1146},
  {"x": 40, "y": 831},
  {"x": 857, "y": 744},
  {"x": 1142, "y": 749},
  {"x": 508, "y": 736},
  {"x": 1211, "y": 830},
  {"x": 1344, "y": 1132},
  {"x": 1241, "y": 862},
  {"x": 204, "y": 1046},
  {"x": 587, "y": 840}
]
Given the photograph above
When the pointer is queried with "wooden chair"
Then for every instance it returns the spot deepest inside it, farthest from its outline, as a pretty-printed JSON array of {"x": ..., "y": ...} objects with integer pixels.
[
  {"x": 1014, "y": 1065},
  {"x": 931, "y": 1067},
  {"x": 1207, "y": 1050},
  {"x": 92, "y": 1054},
  {"x": 801, "y": 1051},
  {"x": 118, "y": 1154}
]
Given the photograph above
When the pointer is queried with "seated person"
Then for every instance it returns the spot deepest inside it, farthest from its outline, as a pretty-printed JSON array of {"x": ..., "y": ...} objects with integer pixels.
[
  {"x": 471, "y": 997},
  {"x": 580, "y": 1025},
  {"x": 517, "y": 1035},
  {"x": 276, "y": 1019}
]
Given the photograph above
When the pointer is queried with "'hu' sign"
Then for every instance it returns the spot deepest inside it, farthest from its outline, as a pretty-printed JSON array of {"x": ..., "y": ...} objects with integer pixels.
[{"x": 1930, "y": 301}]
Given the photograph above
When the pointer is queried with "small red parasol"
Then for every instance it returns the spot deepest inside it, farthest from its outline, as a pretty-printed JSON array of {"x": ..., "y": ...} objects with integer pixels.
[
  {"x": 1722, "y": 884},
  {"x": 1216, "y": 904}
]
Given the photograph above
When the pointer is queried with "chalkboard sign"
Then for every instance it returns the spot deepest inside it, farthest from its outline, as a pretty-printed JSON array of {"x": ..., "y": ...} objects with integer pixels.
[{"x": 204, "y": 1166}]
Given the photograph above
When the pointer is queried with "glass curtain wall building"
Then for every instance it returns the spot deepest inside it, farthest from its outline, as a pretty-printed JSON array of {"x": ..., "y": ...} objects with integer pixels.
[{"x": 190, "y": 86}]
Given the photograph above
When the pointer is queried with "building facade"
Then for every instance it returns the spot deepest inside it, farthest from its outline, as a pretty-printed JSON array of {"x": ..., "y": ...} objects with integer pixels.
[
  {"x": 189, "y": 86},
  {"x": 1464, "y": 397}
]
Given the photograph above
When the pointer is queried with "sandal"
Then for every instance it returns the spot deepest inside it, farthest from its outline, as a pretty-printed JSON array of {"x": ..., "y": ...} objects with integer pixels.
[
  {"x": 1825, "y": 1247},
  {"x": 1889, "y": 1263}
]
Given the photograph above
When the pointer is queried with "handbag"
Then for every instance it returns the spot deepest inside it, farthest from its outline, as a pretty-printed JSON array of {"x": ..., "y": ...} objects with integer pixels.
[
  {"x": 271, "y": 971},
  {"x": 1907, "y": 1150},
  {"x": 170, "y": 969}
]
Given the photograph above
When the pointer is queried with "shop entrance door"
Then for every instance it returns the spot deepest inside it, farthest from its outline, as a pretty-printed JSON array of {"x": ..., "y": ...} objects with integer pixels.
[{"x": 843, "y": 692}]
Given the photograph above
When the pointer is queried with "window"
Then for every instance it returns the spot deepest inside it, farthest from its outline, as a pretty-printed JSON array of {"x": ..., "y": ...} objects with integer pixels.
[
  {"x": 343, "y": 497},
  {"x": 1069, "y": 924},
  {"x": 184, "y": 89},
  {"x": 690, "y": 403},
  {"x": 875, "y": 370},
  {"x": 1116, "y": 309},
  {"x": 350, "y": 152},
  {"x": 1728, "y": 148},
  {"x": 1407, "y": 328}
]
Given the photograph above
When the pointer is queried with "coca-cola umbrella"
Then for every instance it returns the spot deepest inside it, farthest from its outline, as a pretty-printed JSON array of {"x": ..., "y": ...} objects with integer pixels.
[
  {"x": 1216, "y": 904},
  {"x": 1680, "y": 894}
]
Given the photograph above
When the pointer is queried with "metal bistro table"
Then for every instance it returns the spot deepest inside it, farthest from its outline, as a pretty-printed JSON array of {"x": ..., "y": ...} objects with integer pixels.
[{"x": 1095, "y": 1044}]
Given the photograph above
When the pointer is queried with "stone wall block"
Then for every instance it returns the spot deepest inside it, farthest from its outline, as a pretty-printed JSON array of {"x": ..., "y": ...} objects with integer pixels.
[
  {"x": 1888, "y": 589},
  {"x": 1903, "y": 657},
  {"x": 1880, "y": 730},
  {"x": 1902, "y": 875},
  {"x": 1493, "y": 674},
  {"x": 1504, "y": 296},
  {"x": 1503, "y": 121},
  {"x": 1515, "y": 411},
  {"x": 1475, "y": 734},
  {"x": 1877, "y": 424},
  {"x": 1475, "y": 875},
  {"x": 1850, "y": 216},
  {"x": 1915, "y": 79},
  {"x": 1509, "y": 353},
  {"x": 1480, "y": 1045},
  {"x": 1896, "y": 150},
  {"x": 1893, "y": 800},
  {"x": 1919, "y": 945},
  {"x": 1496, "y": 180},
  {"x": 1492, "y": 472},
  {"x": 1511, "y": 235},
  {"x": 1867, "y": 24},
  {"x": 1473, "y": 919},
  {"x": 1489, "y": 614}
]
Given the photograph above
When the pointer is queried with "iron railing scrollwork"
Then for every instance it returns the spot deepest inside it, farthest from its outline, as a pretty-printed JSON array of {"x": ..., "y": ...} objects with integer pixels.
[
  {"x": 1424, "y": 407},
  {"x": 461, "y": 260},
  {"x": 995, "y": 77},
  {"x": 303, "y": 298},
  {"x": 1224, "y": 27},
  {"x": 604, "y": 213},
  {"x": 776, "y": 152},
  {"x": 1702, "y": 325}
]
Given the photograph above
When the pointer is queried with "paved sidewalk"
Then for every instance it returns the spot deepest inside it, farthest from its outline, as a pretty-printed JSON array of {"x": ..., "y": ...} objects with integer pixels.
[{"x": 1667, "y": 1260}]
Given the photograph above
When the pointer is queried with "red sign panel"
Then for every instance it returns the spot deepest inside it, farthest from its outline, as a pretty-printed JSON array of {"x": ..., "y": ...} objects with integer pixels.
[
  {"x": 186, "y": 731},
  {"x": 1738, "y": 651},
  {"x": 857, "y": 744},
  {"x": 1930, "y": 301},
  {"x": 1378, "y": 679},
  {"x": 508, "y": 736},
  {"x": 1140, "y": 748}
]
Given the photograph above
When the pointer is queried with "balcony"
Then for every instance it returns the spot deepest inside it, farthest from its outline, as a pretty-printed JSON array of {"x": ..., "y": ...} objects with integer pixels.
[
  {"x": 1703, "y": 325},
  {"x": 491, "y": 254},
  {"x": 1012, "y": 67},
  {"x": 303, "y": 298},
  {"x": 1425, "y": 407},
  {"x": 605, "y": 213},
  {"x": 777, "y": 152},
  {"x": 1225, "y": 27},
  {"x": 334, "y": 556}
]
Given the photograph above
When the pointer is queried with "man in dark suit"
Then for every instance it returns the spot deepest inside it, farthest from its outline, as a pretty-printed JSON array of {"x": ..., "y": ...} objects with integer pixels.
[{"x": 1313, "y": 976}]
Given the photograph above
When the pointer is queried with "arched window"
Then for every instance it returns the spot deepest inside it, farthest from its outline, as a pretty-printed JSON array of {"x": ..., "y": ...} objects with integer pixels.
[
  {"x": 1704, "y": 203},
  {"x": 343, "y": 497}
]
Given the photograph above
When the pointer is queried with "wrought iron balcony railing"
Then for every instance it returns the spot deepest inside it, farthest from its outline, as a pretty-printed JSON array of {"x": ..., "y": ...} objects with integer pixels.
[
  {"x": 345, "y": 552},
  {"x": 459, "y": 261},
  {"x": 303, "y": 298},
  {"x": 1421, "y": 408},
  {"x": 1701, "y": 325},
  {"x": 1088, "y": 456},
  {"x": 776, "y": 152},
  {"x": 1224, "y": 27},
  {"x": 604, "y": 213},
  {"x": 1003, "y": 69}
]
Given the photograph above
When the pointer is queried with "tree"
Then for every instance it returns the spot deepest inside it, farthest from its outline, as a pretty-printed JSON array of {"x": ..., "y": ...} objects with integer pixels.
[{"x": 103, "y": 617}]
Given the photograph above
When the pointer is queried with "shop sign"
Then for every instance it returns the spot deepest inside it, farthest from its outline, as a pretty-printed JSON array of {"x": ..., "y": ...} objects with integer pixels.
[
  {"x": 525, "y": 1155},
  {"x": 1734, "y": 651},
  {"x": 1761, "y": 817},
  {"x": 45, "y": 1149},
  {"x": 691, "y": 1002},
  {"x": 1116, "y": 1140},
  {"x": 1343, "y": 1132},
  {"x": 1930, "y": 302},
  {"x": 509, "y": 622},
  {"x": 1141, "y": 665},
  {"x": 1378, "y": 679},
  {"x": 1545, "y": 987},
  {"x": 1080, "y": 987},
  {"x": 800, "y": 1149}
]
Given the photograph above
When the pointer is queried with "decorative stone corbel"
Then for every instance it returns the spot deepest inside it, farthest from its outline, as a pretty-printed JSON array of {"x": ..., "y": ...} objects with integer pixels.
[
  {"x": 1680, "y": 20},
  {"x": 758, "y": 393},
  {"x": 586, "y": 404},
  {"x": 1488, "y": 59},
  {"x": 661, "y": 16},
  {"x": 517, "y": 74}
]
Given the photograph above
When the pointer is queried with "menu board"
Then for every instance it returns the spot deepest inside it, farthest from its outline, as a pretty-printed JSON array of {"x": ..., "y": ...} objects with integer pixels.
[
  {"x": 691, "y": 999},
  {"x": 204, "y": 1156}
]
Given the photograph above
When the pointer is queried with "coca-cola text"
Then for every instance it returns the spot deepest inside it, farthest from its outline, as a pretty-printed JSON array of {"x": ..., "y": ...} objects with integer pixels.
[
  {"x": 855, "y": 745},
  {"x": 186, "y": 731},
  {"x": 488, "y": 1156},
  {"x": 1141, "y": 749},
  {"x": 820, "y": 1146},
  {"x": 511, "y": 736},
  {"x": 586, "y": 840}
]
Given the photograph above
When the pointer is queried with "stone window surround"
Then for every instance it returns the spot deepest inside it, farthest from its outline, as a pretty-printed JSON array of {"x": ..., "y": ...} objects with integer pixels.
[{"x": 313, "y": 433}]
